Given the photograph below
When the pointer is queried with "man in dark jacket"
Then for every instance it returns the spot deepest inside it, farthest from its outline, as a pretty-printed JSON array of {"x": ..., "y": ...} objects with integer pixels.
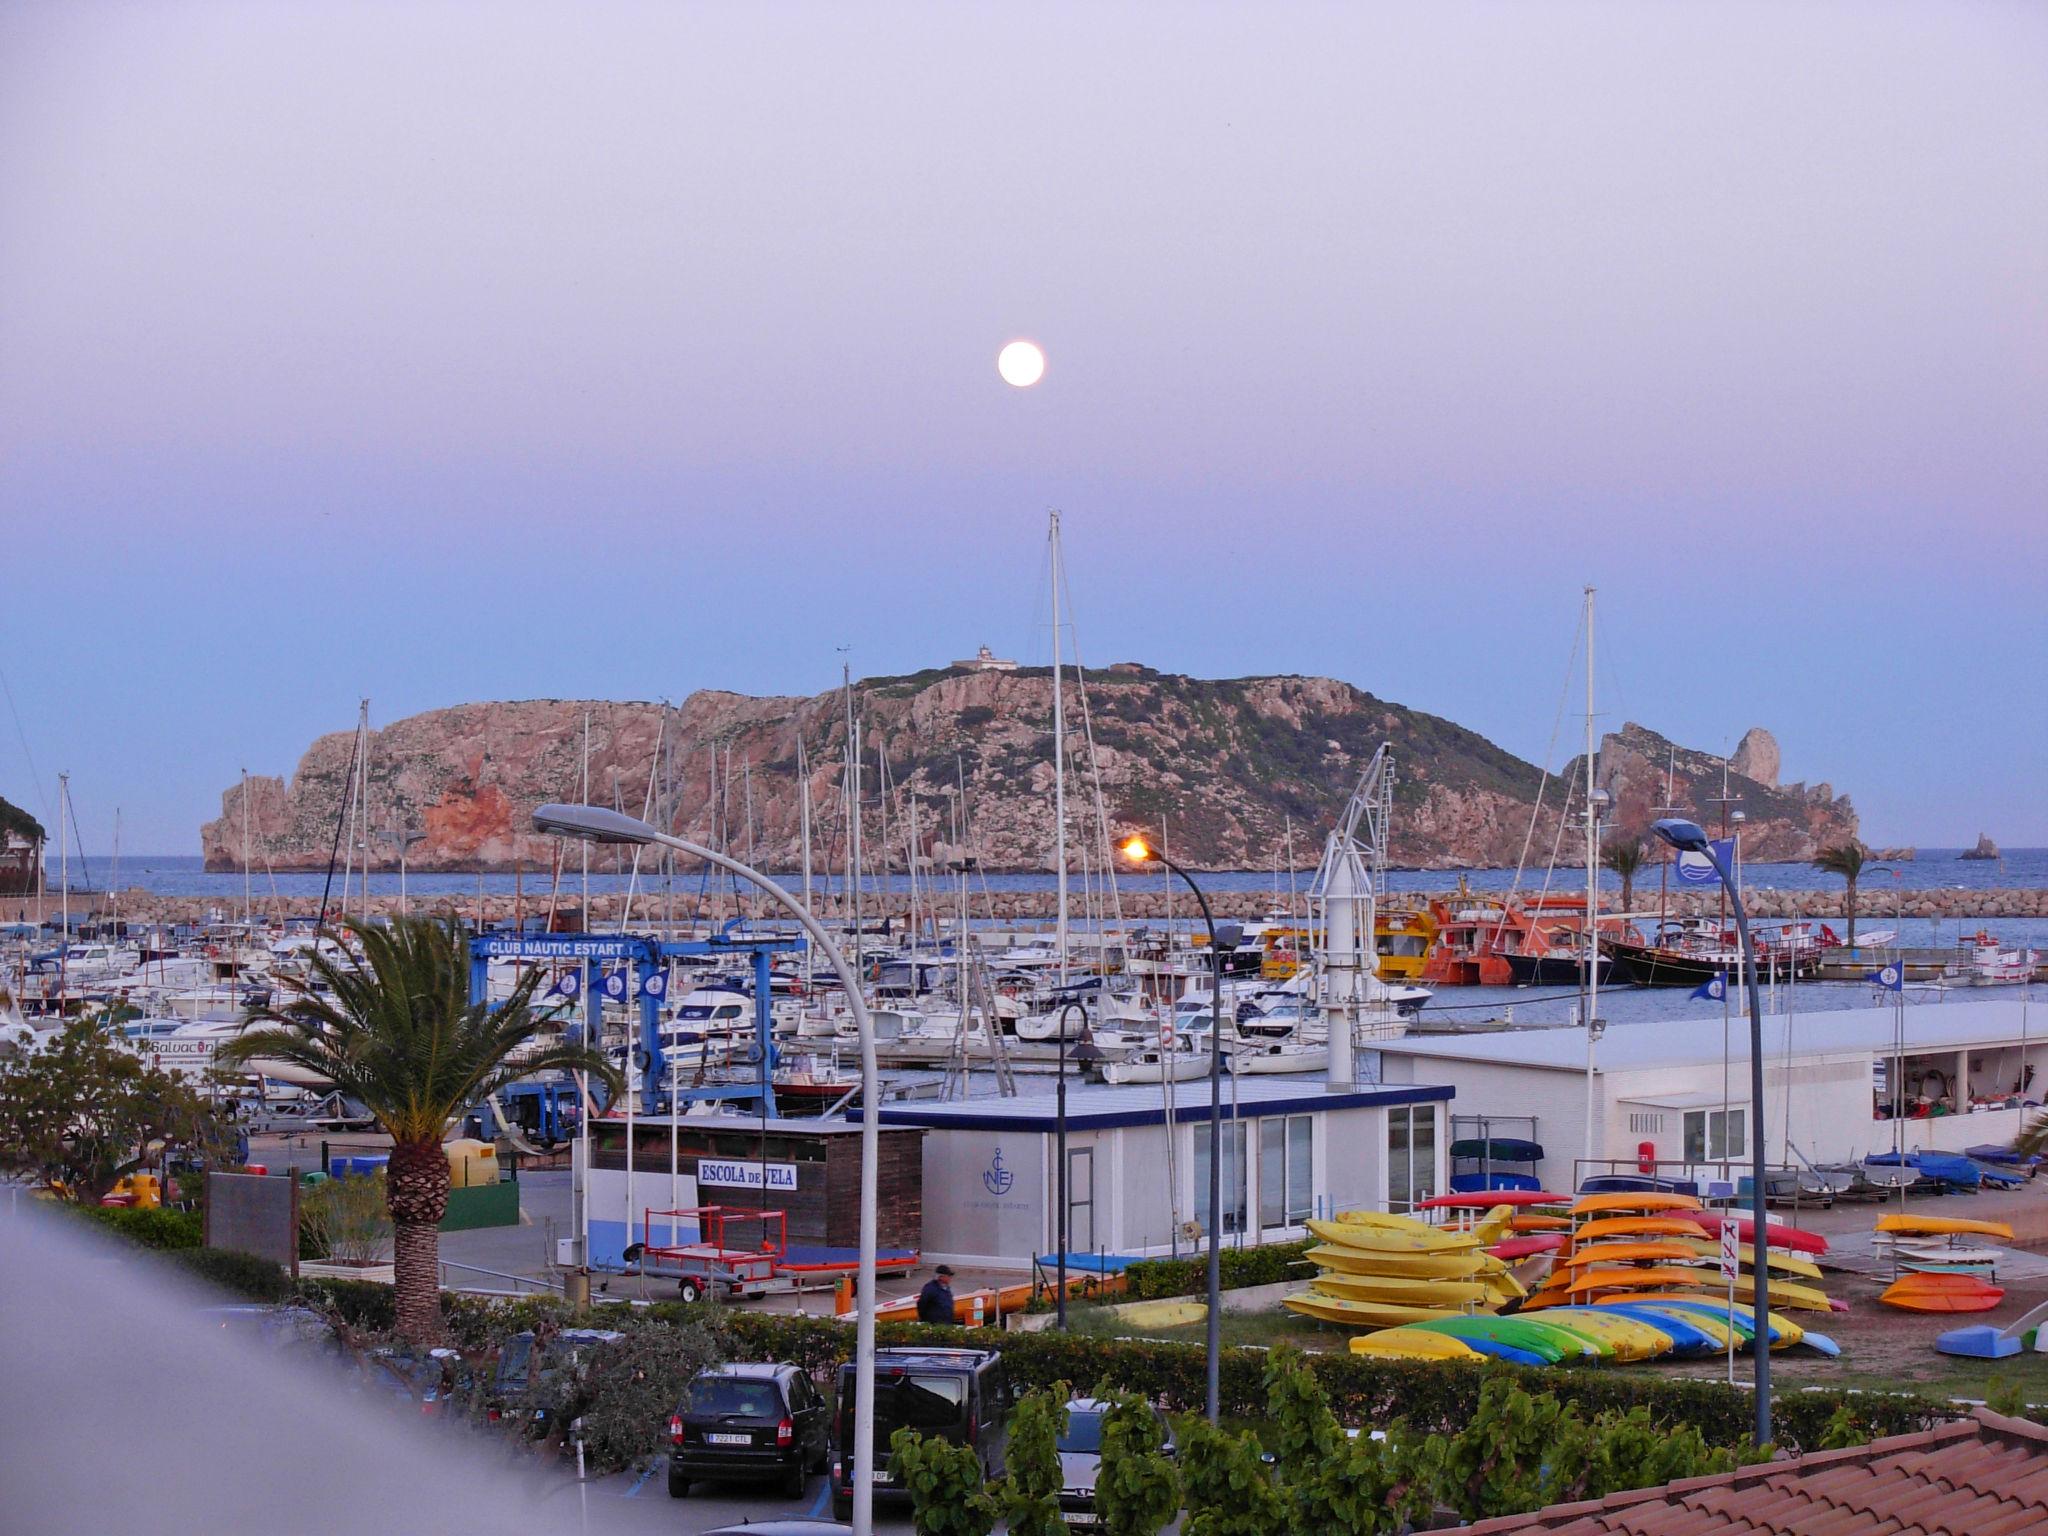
[{"x": 935, "y": 1301}]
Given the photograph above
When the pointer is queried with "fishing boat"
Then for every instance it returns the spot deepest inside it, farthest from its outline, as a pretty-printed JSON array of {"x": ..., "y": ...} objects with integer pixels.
[{"x": 1402, "y": 938}]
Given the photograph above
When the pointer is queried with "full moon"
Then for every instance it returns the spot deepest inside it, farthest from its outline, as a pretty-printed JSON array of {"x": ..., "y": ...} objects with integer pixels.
[{"x": 1021, "y": 363}]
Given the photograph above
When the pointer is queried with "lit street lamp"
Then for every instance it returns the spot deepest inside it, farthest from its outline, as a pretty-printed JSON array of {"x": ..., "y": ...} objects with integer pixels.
[
  {"x": 596, "y": 824},
  {"x": 1686, "y": 837},
  {"x": 1137, "y": 852}
]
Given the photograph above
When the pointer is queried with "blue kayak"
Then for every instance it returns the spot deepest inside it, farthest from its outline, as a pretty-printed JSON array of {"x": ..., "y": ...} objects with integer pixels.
[
  {"x": 1685, "y": 1339},
  {"x": 1742, "y": 1320}
]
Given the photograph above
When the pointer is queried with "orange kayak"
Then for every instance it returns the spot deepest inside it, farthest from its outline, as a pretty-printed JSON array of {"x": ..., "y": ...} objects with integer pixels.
[
  {"x": 1631, "y": 1279},
  {"x": 1632, "y": 1200},
  {"x": 1958, "y": 1293},
  {"x": 1638, "y": 1226},
  {"x": 1629, "y": 1253}
]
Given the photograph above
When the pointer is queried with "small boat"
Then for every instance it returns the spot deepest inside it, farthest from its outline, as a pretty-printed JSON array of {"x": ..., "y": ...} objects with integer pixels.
[
  {"x": 1638, "y": 1183},
  {"x": 1513, "y": 1248},
  {"x": 1481, "y": 1201},
  {"x": 1361, "y": 1314},
  {"x": 1527, "y": 1334},
  {"x": 1945, "y": 1253},
  {"x": 1183, "y": 1064},
  {"x": 1785, "y": 1333},
  {"x": 1498, "y": 1149},
  {"x": 1991, "y": 1152},
  {"x": 1941, "y": 1167},
  {"x": 1945, "y": 1267},
  {"x": 1637, "y": 1226},
  {"x": 1781, "y": 1262},
  {"x": 1688, "y": 1336},
  {"x": 1955, "y": 1293},
  {"x": 1456, "y": 1265},
  {"x": 1648, "y": 1277},
  {"x": 1536, "y": 1221},
  {"x": 1608, "y": 1202},
  {"x": 1777, "y": 1234},
  {"x": 1627, "y": 1338},
  {"x": 1413, "y": 1344},
  {"x": 1416, "y": 1291},
  {"x": 1944, "y": 1226},
  {"x": 1279, "y": 1057},
  {"x": 1386, "y": 1239},
  {"x": 1584, "y": 1254}
]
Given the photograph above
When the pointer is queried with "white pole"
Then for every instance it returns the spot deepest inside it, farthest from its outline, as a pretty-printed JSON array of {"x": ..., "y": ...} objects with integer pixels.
[
  {"x": 248, "y": 902},
  {"x": 1059, "y": 751},
  {"x": 64, "y": 879},
  {"x": 1592, "y": 883},
  {"x": 585, "y": 797}
]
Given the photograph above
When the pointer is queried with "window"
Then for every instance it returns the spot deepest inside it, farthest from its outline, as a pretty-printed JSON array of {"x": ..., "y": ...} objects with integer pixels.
[
  {"x": 1411, "y": 1155},
  {"x": 1233, "y": 1174},
  {"x": 1712, "y": 1135},
  {"x": 1286, "y": 1174},
  {"x": 1645, "y": 1124}
]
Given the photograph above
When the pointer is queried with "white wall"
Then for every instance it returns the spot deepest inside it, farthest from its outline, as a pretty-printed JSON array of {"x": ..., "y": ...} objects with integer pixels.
[{"x": 1557, "y": 1100}]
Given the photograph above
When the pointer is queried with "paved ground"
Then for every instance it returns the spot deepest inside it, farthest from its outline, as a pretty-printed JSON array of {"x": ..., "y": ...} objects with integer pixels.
[{"x": 635, "y": 1502}]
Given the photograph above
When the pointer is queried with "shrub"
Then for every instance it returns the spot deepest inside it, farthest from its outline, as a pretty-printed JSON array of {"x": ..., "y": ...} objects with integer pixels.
[
  {"x": 1267, "y": 1264},
  {"x": 624, "y": 1392},
  {"x": 1137, "y": 1490},
  {"x": 1228, "y": 1486},
  {"x": 151, "y": 1227},
  {"x": 1029, "y": 1494},
  {"x": 244, "y": 1274},
  {"x": 344, "y": 1219},
  {"x": 944, "y": 1482}
]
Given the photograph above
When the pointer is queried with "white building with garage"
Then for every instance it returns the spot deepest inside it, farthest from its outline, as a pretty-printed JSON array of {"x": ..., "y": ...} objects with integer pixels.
[
  {"x": 1664, "y": 1090},
  {"x": 1291, "y": 1150}
]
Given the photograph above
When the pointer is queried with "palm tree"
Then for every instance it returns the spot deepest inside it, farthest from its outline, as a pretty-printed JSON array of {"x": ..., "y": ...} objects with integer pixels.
[
  {"x": 1626, "y": 859},
  {"x": 1847, "y": 860},
  {"x": 400, "y": 1036}
]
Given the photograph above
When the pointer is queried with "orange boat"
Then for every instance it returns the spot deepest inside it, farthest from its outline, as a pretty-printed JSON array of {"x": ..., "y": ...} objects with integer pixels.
[
  {"x": 1631, "y": 1279},
  {"x": 1531, "y": 1221},
  {"x": 1638, "y": 1226},
  {"x": 1941, "y": 1293}
]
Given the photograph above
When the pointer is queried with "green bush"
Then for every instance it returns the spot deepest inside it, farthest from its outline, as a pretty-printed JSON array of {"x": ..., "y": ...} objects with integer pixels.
[
  {"x": 243, "y": 1274},
  {"x": 151, "y": 1227},
  {"x": 1267, "y": 1264},
  {"x": 944, "y": 1482},
  {"x": 1029, "y": 1494}
]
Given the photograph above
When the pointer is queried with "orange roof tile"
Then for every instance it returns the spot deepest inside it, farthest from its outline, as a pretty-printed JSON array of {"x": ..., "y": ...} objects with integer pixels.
[{"x": 1982, "y": 1476}]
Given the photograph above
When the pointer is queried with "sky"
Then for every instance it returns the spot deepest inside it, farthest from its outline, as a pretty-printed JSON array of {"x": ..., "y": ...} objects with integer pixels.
[{"x": 432, "y": 352}]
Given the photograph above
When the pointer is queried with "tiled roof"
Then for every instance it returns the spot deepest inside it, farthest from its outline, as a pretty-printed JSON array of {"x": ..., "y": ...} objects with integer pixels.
[{"x": 1982, "y": 1476}]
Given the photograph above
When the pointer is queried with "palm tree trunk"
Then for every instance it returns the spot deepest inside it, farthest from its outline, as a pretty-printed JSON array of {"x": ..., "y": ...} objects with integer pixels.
[
  {"x": 1851, "y": 904},
  {"x": 416, "y": 1188},
  {"x": 1628, "y": 897}
]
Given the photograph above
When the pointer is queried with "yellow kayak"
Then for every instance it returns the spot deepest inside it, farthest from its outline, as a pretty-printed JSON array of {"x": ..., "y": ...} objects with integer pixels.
[
  {"x": 1413, "y": 1291},
  {"x": 1715, "y": 1329},
  {"x": 1789, "y": 1332},
  {"x": 1363, "y": 1314},
  {"x": 1490, "y": 1228},
  {"x": 1784, "y": 1293},
  {"x": 1649, "y": 1200},
  {"x": 1629, "y": 1339},
  {"x": 1165, "y": 1314},
  {"x": 1944, "y": 1226},
  {"x": 1781, "y": 1261},
  {"x": 1375, "y": 1239},
  {"x": 1413, "y": 1344},
  {"x": 1461, "y": 1264}
]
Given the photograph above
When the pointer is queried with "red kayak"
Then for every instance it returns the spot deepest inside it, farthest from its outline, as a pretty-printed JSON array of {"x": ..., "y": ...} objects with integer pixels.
[
  {"x": 1776, "y": 1234},
  {"x": 1487, "y": 1199},
  {"x": 1524, "y": 1247}
]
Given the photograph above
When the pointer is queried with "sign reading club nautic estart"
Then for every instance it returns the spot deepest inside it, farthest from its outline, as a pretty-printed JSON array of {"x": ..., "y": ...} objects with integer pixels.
[{"x": 730, "y": 1175}]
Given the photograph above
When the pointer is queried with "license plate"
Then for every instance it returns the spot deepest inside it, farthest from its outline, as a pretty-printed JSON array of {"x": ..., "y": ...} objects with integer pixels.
[
  {"x": 881, "y": 1477},
  {"x": 729, "y": 1439},
  {"x": 1078, "y": 1516}
]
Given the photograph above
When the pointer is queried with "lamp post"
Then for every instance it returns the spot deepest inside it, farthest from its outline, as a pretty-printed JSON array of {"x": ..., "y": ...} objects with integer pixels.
[
  {"x": 1686, "y": 837},
  {"x": 1136, "y": 850},
  {"x": 1060, "y": 1136},
  {"x": 596, "y": 824}
]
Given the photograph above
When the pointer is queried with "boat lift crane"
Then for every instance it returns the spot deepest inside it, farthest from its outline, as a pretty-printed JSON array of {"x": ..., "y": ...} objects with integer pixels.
[{"x": 1342, "y": 901}]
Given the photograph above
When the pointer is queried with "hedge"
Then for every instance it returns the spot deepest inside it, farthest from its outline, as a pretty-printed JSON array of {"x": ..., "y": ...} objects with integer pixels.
[
  {"x": 1267, "y": 1264},
  {"x": 149, "y": 1226},
  {"x": 246, "y": 1275}
]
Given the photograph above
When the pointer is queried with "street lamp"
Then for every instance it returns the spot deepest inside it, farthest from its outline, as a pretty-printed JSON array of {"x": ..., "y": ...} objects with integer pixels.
[
  {"x": 1686, "y": 837},
  {"x": 1084, "y": 1050},
  {"x": 1137, "y": 852},
  {"x": 598, "y": 825}
]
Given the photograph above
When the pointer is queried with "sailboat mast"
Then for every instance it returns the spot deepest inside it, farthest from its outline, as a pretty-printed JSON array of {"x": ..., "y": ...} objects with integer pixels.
[
  {"x": 1059, "y": 749},
  {"x": 248, "y": 900},
  {"x": 1592, "y": 883},
  {"x": 584, "y": 847},
  {"x": 853, "y": 811},
  {"x": 803, "y": 800}
]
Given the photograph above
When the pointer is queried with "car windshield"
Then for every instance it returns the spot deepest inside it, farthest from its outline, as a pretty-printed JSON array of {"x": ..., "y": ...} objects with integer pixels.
[
  {"x": 730, "y": 1396},
  {"x": 918, "y": 1401},
  {"x": 1083, "y": 1434}
]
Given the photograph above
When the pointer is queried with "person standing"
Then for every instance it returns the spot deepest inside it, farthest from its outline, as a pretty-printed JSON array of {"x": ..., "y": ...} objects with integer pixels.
[{"x": 935, "y": 1301}]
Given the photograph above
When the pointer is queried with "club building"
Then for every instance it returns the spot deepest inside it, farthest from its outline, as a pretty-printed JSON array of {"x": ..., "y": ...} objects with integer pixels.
[
  {"x": 1291, "y": 1150},
  {"x": 1662, "y": 1089}
]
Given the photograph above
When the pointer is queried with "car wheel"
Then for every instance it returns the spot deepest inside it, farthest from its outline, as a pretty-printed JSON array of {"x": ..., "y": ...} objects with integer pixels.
[
  {"x": 689, "y": 1291},
  {"x": 842, "y": 1507},
  {"x": 678, "y": 1485},
  {"x": 793, "y": 1482}
]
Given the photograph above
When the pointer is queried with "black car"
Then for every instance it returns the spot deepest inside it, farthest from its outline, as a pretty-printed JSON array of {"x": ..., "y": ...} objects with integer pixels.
[
  {"x": 748, "y": 1421},
  {"x": 526, "y": 1366},
  {"x": 962, "y": 1395}
]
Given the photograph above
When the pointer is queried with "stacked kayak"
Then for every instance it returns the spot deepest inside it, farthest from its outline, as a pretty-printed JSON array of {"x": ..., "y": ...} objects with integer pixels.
[
  {"x": 1941, "y": 1263},
  {"x": 1382, "y": 1271}
]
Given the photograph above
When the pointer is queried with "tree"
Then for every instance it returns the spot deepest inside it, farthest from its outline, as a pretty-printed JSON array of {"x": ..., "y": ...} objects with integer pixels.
[
  {"x": 85, "y": 1111},
  {"x": 400, "y": 1036},
  {"x": 1516, "y": 1454},
  {"x": 1137, "y": 1489},
  {"x": 1847, "y": 860},
  {"x": 944, "y": 1482},
  {"x": 1029, "y": 1494},
  {"x": 1227, "y": 1485},
  {"x": 1332, "y": 1483},
  {"x": 1626, "y": 858}
]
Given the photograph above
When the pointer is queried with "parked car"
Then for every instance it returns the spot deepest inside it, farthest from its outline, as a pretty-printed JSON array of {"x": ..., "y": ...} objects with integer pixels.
[
  {"x": 1080, "y": 1447},
  {"x": 524, "y": 1366},
  {"x": 748, "y": 1421},
  {"x": 962, "y": 1395}
]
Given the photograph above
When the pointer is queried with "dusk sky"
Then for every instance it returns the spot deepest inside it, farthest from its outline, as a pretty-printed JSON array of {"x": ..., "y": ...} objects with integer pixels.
[{"x": 447, "y": 352}]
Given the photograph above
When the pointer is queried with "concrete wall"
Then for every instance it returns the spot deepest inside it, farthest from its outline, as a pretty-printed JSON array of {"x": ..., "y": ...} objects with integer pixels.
[{"x": 1557, "y": 1100}]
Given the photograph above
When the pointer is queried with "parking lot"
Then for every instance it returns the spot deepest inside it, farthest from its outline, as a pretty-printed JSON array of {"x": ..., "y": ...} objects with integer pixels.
[{"x": 639, "y": 1501}]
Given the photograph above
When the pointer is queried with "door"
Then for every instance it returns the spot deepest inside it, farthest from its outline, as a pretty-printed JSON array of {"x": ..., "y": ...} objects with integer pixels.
[{"x": 1080, "y": 1199}]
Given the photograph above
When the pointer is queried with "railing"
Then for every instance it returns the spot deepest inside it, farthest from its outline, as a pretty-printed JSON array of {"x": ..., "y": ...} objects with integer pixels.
[{"x": 538, "y": 1287}]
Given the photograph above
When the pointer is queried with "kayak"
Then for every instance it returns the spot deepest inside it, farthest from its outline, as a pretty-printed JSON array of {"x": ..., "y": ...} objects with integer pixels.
[
  {"x": 1410, "y": 1290},
  {"x": 1527, "y": 1334},
  {"x": 1383, "y": 1239},
  {"x": 1911, "y": 1297},
  {"x": 1632, "y": 1279},
  {"x": 1645, "y": 1200},
  {"x": 1361, "y": 1314},
  {"x": 1455, "y": 1265},
  {"x": 1413, "y": 1344},
  {"x": 1689, "y": 1336},
  {"x": 1486, "y": 1199},
  {"x": 1944, "y": 1226},
  {"x": 1524, "y": 1247},
  {"x": 1536, "y": 1221},
  {"x": 1776, "y": 1233},
  {"x": 1784, "y": 1333},
  {"x": 1637, "y": 1226},
  {"x": 1629, "y": 1253},
  {"x": 1627, "y": 1338},
  {"x": 1780, "y": 1263}
]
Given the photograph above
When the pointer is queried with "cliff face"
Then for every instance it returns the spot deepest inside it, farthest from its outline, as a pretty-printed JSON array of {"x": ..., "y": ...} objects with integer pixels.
[
  {"x": 1229, "y": 765},
  {"x": 1639, "y": 768}
]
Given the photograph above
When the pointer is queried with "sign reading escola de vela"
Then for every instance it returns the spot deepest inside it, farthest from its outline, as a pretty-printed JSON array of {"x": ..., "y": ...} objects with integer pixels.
[{"x": 725, "y": 1174}]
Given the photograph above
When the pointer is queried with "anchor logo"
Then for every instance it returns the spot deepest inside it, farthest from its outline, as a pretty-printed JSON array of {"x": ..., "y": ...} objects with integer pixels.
[{"x": 998, "y": 1179}]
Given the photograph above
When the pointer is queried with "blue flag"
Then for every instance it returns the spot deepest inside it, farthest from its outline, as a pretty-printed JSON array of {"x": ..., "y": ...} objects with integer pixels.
[
  {"x": 566, "y": 984},
  {"x": 614, "y": 984},
  {"x": 1697, "y": 869},
  {"x": 1713, "y": 989},
  {"x": 1891, "y": 977},
  {"x": 655, "y": 984}
]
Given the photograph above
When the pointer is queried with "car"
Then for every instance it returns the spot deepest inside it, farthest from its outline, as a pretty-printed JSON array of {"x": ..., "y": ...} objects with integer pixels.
[
  {"x": 748, "y": 1421},
  {"x": 524, "y": 1368},
  {"x": 1080, "y": 1448},
  {"x": 962, "y": 1395}
]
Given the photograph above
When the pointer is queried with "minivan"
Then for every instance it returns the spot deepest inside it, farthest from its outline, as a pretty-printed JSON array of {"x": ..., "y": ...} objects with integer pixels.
[{"x": 962, "y": 1395}]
